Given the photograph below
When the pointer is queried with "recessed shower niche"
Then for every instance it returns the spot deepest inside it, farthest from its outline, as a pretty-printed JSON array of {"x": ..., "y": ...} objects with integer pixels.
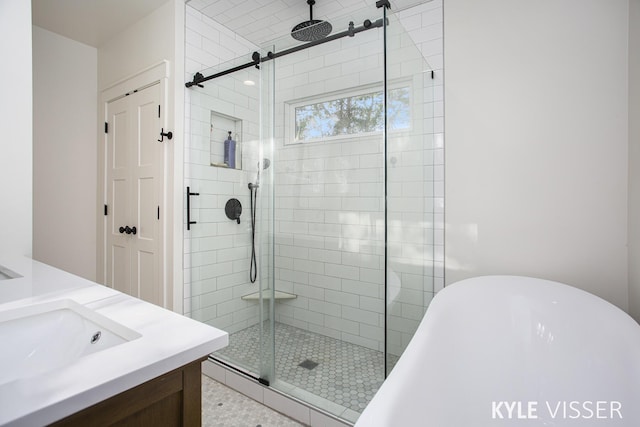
[{"x": 225, "y": 141}]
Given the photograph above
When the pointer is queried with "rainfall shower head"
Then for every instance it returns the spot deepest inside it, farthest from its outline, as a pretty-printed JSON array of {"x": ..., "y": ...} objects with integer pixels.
[{"x": 313, "y": 29}]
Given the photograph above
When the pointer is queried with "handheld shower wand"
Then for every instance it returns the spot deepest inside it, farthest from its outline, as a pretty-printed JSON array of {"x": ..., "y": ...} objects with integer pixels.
[
  {"x": 265, "y": 164},
  {"x": 253, "y": 198}
]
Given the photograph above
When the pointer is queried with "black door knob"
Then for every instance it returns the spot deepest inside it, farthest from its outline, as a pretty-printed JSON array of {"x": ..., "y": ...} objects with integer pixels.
[{"x": 128, "y": 230}]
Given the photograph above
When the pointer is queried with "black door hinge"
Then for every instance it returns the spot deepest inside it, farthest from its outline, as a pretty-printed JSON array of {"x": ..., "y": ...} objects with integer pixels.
[
  {"x": 106, "y": 210},
  {"x": 158, "y": 212},
  {"x": 158, "y": 111},
  {"x": 106, "y": 127}
]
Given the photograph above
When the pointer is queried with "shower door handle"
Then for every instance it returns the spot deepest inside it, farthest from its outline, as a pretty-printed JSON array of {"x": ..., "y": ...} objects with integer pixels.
[{"x": 189, "y": 194}]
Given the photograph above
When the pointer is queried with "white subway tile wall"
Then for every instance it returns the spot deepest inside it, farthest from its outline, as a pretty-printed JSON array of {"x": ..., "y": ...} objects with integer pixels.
[
  {"x": 216, "y": 249},
  {"x": 329, "y": 216}
]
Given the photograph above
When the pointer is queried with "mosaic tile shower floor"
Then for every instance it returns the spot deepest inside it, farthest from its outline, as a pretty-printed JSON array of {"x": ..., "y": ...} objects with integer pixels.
[{"x": 344, "y": 374}]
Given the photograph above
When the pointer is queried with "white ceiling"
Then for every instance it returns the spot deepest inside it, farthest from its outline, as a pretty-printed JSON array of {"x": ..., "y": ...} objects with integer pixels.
[
  {"x": 90, "y": 22},
  {"x": 95, "y": 21},
  {"x": 260, "y": 21}
]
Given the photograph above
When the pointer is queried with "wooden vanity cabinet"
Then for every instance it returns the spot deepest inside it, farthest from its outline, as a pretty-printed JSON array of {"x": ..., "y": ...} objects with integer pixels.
[{"x": 172, "y": 399}]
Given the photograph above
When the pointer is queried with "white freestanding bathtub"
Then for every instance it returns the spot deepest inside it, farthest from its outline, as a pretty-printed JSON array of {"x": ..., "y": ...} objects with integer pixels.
[{"x": 514, "y": 351}]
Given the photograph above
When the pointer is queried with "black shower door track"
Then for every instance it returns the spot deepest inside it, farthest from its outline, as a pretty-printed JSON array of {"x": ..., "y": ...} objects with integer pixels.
[{"x": 198, "y": 78}]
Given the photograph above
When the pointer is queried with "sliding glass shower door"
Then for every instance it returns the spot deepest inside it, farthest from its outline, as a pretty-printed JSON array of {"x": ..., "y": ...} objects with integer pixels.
[
  {"x": 222, "y": 153},
  {"x": 323, "y": 276},
  {"x": 329, "y": 217}
]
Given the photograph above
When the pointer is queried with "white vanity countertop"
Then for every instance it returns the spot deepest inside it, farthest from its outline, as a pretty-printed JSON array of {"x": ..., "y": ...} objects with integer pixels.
[{"x": 168, "y": 342}]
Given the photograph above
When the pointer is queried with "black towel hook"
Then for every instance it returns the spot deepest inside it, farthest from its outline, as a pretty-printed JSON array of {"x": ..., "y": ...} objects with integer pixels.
[{"x": 169, "y": 135}]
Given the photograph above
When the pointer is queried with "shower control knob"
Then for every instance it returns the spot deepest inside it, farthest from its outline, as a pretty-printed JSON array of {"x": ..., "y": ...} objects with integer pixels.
[
  {"x": 133, "y": 230},
  {"x": 121, "y": 230}
]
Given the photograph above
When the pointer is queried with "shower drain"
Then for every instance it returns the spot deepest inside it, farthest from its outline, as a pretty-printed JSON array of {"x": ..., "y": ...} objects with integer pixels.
[{"x": 308, "y": 364}]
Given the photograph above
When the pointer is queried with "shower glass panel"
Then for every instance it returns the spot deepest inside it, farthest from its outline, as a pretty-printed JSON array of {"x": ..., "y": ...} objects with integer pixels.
[
  {"x": 409, "y": 187},
  {"x": 217, "y": 249},
  {"x": 333, "y": 169},
  {"x": 328, "y": 233},
  {"x": 265, "y": 223}
]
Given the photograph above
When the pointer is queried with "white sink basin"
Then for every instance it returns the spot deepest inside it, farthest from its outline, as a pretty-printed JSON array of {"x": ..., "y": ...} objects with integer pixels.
[
  {"x": 42, "y": 337},
  {"x": 6, "y": 274}
]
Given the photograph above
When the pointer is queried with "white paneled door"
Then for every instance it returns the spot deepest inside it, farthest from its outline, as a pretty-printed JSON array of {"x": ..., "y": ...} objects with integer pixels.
[{"x": 134, "y": 174}]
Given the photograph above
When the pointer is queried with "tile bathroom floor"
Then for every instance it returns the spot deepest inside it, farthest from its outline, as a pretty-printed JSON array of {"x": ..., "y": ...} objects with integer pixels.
[
  {"x": 224, "y": 407},
  {"x": 336, "y": 371}
]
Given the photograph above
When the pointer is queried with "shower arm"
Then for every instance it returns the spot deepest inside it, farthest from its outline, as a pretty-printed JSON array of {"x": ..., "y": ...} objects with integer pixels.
[{"x": 198, "y": 78}]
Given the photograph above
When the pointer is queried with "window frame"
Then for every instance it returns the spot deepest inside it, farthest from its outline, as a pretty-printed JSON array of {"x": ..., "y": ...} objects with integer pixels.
[{"x": 291, "y": 105}]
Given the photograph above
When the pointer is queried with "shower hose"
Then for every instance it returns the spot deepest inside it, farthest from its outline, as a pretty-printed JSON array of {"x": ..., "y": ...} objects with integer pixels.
[{"x": 253, "y": 198}]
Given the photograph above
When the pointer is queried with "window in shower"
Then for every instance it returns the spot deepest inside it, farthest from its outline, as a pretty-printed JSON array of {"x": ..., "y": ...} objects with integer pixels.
[{"x": 351, "y": 114}]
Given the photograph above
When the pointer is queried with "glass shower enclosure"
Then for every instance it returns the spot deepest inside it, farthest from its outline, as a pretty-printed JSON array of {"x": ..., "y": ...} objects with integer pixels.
[{"x": 309, "y": 231}]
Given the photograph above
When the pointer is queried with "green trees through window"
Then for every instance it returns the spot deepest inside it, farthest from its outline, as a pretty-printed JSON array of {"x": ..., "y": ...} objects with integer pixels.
[{"x": 353, "y": 115}]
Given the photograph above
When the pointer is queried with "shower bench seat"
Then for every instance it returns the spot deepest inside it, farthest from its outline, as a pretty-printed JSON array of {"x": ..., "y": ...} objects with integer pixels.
[{"x": 266, "y": 294}]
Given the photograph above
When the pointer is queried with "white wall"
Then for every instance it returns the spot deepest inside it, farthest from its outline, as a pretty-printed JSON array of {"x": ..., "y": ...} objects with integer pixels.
[
  {"x": 634, "y": 158},
  {"x": 145, "y": 43},
  {"x": 424, "y": 23},
  {"x": 537, "y": 134},
  {"x": 65, "y": 92},
  {"x": 15, "y": 127},
  {"x": 329, "y": 194},
  {"x": 328, "y": 237},
  {"x": 217, "y": 250}
]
